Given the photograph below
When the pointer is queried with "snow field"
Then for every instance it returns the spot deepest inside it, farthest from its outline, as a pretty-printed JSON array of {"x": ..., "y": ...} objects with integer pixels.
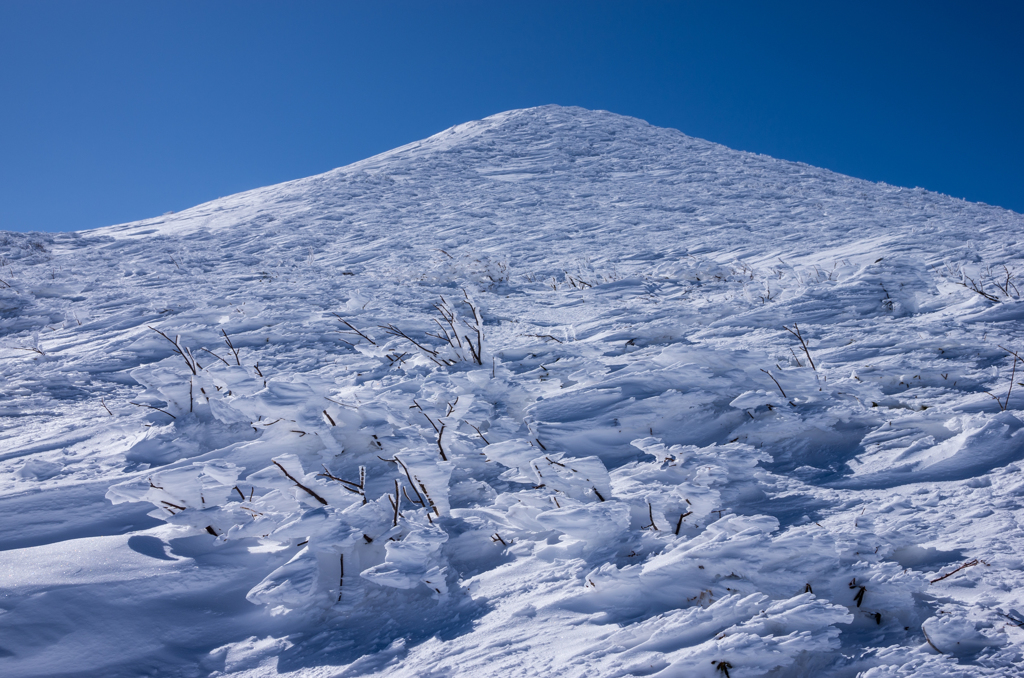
[{"x": 519, "y": 399}]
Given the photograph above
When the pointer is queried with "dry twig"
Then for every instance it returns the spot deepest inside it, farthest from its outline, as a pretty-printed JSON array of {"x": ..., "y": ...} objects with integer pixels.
[
  {"x": 1003, "y": 404},
  {"x": 231, "y": 347},
  {"x": 215, "y": 356},
  {"x": 486, "y": 442},
  {"x": 396, "y": 503},
  {"x": 776, "y": 383},
  {"x": 354, "y": 330},
  {"x": 679, "y": 523},
  {"x": 650, "y": 514},
  {"x": 300, "y": 485},
  {"x": 929, "y": 640},
  {"x": 970, "y": 563},
  {"x": 152, "y": 408},
  {"x": 544, "y": 336},
  {"x": 32, "y": 349},
  {"x": 796, "y": 333},
  {"x": 183, "y": 351}
]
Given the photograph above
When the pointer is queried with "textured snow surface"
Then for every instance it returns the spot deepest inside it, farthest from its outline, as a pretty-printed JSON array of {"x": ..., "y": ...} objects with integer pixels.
[{"x": 518, "y": 399}]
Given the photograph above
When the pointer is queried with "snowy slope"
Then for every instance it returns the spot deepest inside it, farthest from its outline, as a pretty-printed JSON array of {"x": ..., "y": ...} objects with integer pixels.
[{"x": 558, "y": 338}]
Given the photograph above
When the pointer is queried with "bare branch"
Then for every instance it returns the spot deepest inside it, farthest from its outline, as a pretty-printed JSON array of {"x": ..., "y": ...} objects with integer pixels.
[
  {"x": 776, "y": 382},
  {"x": 354, "y": 488},
  {"x": 486, "y": 442},
  {"x": 216, "y": 356},
  {"x": 544, "y": 336},
  {"x": 397, "y": 502},
  {"x": 417, "y": 406},
  {"x": 185, "y": 354},
  {"x": 650, "y": 514},
  {"x": 352, "y": 327},
  {"x": 1004, "y": 404},
  {"x": 33, "y": 349},
  {"x": 796, "y": 333},
  {"x": 152, "y": 408},
  {"x": 300, "y": 485},
  {"x": 394, "y": 331},
  {"x": 231, "y": 347},
  {"x": 980, "y": 289},
  {"x": 970, "y": 563},
  {"x": 929, "y": 640},
  {"x": 439, "y": 446}
]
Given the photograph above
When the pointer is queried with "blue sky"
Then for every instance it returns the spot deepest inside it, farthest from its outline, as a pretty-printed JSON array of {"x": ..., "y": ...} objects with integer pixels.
[{"x": 116, "y": 111}]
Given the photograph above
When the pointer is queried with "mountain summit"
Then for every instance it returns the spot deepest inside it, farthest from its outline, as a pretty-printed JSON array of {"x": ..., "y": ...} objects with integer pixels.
[
  {"x": 570, "y": 172},
  {"x": 556, "y": 392}
]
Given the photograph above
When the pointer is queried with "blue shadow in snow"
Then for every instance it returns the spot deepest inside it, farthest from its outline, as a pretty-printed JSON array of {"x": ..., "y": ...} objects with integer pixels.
[{"x": 149, "y": 546}]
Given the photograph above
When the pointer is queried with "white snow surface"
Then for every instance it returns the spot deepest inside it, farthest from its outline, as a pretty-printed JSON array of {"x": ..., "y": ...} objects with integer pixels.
[{"x": 559, "y": 337}]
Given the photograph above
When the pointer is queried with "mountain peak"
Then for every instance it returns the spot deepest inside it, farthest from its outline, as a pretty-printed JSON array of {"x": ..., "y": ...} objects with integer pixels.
[
  {"x": 565, "y": 170},
  {"x": 553, "y": 136},
  {"x": 554, "y": 369}
]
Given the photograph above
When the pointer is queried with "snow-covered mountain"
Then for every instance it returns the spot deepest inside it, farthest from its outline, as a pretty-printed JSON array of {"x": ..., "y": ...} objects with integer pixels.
[{"x": 552, "y": 393}]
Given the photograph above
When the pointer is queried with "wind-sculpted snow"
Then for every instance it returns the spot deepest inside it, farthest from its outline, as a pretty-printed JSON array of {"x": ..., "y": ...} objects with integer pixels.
[{"x": 551, "y": 393}]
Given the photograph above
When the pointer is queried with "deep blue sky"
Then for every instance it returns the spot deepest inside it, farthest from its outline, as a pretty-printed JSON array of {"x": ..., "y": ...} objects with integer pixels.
[{"x": 116, "y": 111}]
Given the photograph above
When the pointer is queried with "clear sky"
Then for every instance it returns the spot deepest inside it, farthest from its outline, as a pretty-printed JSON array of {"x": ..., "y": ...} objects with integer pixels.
[{"x": 116, "y": 111}]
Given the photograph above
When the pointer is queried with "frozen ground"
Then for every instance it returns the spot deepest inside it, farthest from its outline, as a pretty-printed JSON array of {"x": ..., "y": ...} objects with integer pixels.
[{"x": 557, "y": 339}]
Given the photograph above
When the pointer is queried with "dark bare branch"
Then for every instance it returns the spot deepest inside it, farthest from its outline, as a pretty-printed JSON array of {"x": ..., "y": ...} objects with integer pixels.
[
  {"x": 231, "y": 347},
  {"x": 486, "y": 442},
  {"x": 300, "y": 485},
  {"x": 32, "y": 350},
  {"x": 185, "y": 353},
  {"x": 970, "y": 563},
  {"x": 152, "y": 408},
  {"x": 352, "y": 327},
  {"x": 439, "y": 445},
  {"x": 544, "y": 336},
  {"x": 776, "y": 382},
  {"x": 796, "y": 333},
  {"x": 215, "y": 356}
]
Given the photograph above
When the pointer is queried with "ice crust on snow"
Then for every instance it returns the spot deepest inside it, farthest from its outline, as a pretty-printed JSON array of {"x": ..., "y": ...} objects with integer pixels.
[{"x": 519, "y": 399}]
